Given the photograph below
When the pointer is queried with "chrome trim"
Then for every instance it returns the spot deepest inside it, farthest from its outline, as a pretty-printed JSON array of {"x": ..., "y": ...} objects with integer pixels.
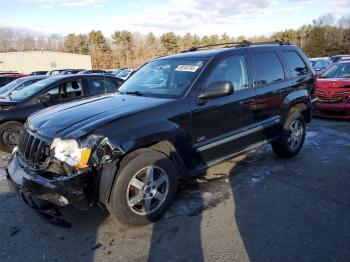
[
  {"x": 270, "y": 122},
  {"x": 224, "y": 158},
  {"x": 314, "y": 100}
]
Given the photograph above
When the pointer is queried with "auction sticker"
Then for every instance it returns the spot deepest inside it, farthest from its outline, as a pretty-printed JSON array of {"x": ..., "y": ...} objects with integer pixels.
[{"x": 187, "y": 68}]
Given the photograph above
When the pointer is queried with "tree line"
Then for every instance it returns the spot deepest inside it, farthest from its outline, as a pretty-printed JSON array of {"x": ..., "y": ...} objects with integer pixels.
[{"x": 325, "y": 36}]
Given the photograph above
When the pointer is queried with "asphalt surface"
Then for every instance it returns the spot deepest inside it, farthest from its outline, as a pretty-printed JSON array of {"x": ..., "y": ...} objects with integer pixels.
[{"x": 256, "y": 207}]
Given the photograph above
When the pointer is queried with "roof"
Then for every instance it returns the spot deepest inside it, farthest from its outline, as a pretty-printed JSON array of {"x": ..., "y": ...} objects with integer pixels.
[{"x": 210, "y": 53}]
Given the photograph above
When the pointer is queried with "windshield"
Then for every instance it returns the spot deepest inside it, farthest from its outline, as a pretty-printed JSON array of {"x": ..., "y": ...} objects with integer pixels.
[
  {"x": 32, "y": 89},
  {"x": 338, "y": 71},
  {"x": 164, "y": 78},
  {"x": 11, "y": 85},
  {"x": 123, "y": 73}
]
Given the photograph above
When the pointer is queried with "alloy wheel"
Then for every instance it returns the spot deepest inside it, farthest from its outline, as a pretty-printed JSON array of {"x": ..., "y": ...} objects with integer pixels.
[
  {"x": 295, "y": 134},
  {"x": 147, "y": 190}
]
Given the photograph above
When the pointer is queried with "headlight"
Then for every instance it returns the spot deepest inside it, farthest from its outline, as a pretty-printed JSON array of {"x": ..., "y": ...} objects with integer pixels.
[{"x": 68, "y": 151}]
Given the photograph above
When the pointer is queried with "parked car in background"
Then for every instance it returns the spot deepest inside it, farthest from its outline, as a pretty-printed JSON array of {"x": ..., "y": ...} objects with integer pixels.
[
  {"x": 50, "y": 91},
  {"x": 20, "y": 83},
  {"x": 336, "y": 58},
  {"x": 126, "y": 73},
  {"x": 96, "y": 71},
  {"x": 195, "y": 110},
  {"x": 7, "y": 78},
  {"x": 115, "y": 72},
  {"x": 320, "y": 64},
  {"x": 333, "y": 92},
  {"x": 71, "y": 71},
  {"x": 36, "y": 73},
  {"x": 61, "y": 71},
  {"x": 8, "y": 72}
]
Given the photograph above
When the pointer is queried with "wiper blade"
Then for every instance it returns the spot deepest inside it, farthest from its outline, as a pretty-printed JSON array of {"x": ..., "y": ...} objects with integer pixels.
[{"x": 138, "y": 93}]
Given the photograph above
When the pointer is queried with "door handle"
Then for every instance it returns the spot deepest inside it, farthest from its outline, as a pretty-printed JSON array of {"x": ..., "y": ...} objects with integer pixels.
[{"x": 247, "y": 101}]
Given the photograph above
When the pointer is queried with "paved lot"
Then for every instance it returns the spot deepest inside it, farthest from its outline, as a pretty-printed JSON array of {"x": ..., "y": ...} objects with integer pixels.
[{"x": 255, "y": 207}]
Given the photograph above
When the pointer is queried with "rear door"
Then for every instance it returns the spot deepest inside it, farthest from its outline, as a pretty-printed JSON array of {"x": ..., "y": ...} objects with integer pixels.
[{"x": 271, "y": 85}]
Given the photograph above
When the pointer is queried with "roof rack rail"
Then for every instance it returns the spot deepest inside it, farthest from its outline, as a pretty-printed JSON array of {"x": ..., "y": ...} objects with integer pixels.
[{"x": 244, "y": 43}]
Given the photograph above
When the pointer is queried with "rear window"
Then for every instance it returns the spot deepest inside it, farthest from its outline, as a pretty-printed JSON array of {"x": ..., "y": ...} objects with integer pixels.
[
  {"x": 268, "y": 69},
  {"x": 296, "y": 64}
]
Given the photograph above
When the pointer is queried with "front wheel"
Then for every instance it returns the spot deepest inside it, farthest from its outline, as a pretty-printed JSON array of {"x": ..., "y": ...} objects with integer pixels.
[
  {"x": 144, "y": 187},
  {"x": 292, "y": 138},
  {"x": 9, "y": 134}
]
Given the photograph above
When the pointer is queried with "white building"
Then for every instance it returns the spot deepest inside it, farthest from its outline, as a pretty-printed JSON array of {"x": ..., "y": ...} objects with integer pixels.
[{"x": 27, "y": 62}]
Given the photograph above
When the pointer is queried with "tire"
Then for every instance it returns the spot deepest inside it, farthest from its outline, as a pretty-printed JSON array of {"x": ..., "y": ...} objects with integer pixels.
[
  {"x": 133, "y": 202},
  {"x": 9, "y": 133},
  {"x": 292, "y": 138}
]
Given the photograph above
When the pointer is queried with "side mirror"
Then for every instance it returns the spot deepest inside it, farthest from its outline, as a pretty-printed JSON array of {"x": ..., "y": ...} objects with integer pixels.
[
  {"x": 44, "y": 99},
  {"x": 216, "y": 89}
]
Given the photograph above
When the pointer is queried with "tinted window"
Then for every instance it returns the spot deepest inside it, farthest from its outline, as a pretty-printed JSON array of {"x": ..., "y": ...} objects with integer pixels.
[
  {"x": 268, "y": 69},
  {"x": 296, "y": 64},
  {"x": 3, "y": 81},
  {"x": 233, "y": 70},
  {"x": 100, "y": 86}
]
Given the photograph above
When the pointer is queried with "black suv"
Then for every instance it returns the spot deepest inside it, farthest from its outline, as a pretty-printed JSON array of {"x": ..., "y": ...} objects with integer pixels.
[
  {"x": 53, "y": 90},
  {"x": 177, "y": 115}
]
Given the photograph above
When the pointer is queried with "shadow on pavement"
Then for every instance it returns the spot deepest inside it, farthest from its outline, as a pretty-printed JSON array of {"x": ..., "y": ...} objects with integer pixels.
[
  {"x": 23, "y": 230},
  {"x": 296, "y": 209}
]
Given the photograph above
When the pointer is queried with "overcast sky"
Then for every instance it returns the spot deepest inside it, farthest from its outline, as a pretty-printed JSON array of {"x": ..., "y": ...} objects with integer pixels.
[{"x": 203, "y": 17}]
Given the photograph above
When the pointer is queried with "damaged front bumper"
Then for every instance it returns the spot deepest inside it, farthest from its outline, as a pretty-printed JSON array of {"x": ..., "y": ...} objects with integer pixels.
[{"x": 77, "y": 189}]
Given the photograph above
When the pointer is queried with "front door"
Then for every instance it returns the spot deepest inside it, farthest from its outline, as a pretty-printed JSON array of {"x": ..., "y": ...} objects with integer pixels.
[{"x": 222, "y": 126}]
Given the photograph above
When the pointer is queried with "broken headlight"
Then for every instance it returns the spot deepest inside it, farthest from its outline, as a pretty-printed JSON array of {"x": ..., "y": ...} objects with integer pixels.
[{"x": 68, "y": 151}]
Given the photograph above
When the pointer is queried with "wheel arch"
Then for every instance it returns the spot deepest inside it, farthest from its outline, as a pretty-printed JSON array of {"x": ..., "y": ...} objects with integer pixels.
[
  {"x": 298, "y": 101},
  {"x": 110, "y": 169}
]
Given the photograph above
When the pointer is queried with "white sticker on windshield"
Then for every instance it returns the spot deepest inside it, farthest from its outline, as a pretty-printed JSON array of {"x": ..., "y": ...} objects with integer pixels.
[{"x": 187, "y": 68}]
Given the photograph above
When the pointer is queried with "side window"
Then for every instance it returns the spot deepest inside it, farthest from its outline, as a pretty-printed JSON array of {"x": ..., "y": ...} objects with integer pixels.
[
  {"x": 71, "y": 89},
  {"x": 233, "y": 70},
  {"x": 54, "y": 93},
  {"x": 100, "y": 86},
  {"x": 110, "y": 86},
  {"x": 3, "y": 81},
  {"x": 268, "y": 69},
  {"x": 65, "y": 90},
  {"x": 296, "y": 64}
]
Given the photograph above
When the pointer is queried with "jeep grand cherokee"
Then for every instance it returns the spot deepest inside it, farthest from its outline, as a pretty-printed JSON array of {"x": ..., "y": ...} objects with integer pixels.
[{"x": 177, "y": 115}]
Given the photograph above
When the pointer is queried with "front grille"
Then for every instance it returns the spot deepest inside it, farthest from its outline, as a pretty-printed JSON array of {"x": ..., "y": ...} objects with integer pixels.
[
  {"x": 32, "y": 149},
  {"x": 332, "y": 96}
]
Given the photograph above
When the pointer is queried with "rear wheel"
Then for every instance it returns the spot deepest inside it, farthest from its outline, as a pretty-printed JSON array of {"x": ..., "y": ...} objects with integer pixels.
[
  {"x": 144, "y": 188},
  {"x": 9, "y": 134},
  {"x": 292, "y": 138}
]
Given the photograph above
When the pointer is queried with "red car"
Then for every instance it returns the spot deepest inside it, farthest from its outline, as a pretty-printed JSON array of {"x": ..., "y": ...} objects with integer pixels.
[
  {"x": 7, "y": 78},
  {"x": 333, "y": 92}
]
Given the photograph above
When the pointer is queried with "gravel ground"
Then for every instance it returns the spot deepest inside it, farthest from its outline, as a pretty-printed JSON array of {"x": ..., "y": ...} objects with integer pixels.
[{"x": 256, "y": 207}]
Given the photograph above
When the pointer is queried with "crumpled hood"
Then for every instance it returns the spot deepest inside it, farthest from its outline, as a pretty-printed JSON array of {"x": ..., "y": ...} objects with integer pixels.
[{"x": 75, "y": 119}]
